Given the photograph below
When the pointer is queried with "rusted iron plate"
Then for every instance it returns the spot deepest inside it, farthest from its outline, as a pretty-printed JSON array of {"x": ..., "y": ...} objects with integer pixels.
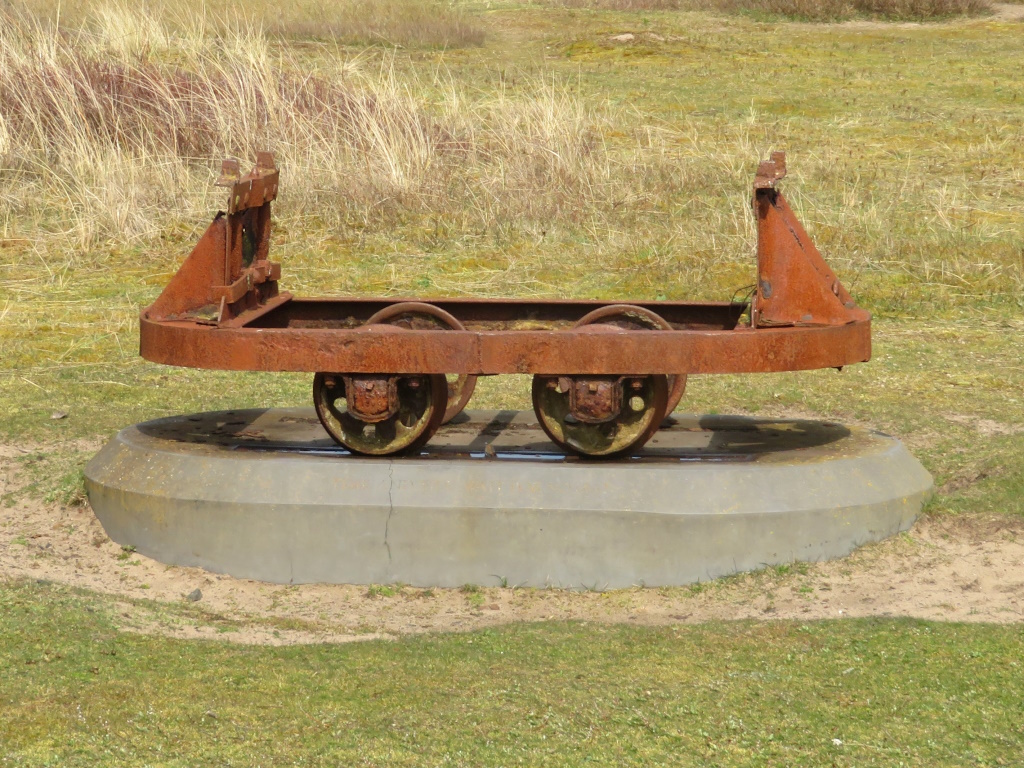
[
  {"x": 254, "y": 189},
  {"x": 795, "y": 286},
  {"x": 770, "y": 171},
  {"x": 569, "y": 352}
]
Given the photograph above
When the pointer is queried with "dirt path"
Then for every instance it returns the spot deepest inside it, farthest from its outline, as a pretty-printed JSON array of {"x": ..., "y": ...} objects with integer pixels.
[{"x": 957, "y": 570}]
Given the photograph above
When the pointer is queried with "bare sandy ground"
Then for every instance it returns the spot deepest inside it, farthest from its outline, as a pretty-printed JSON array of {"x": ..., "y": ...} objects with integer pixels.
[{"x": 943, "y": 569}]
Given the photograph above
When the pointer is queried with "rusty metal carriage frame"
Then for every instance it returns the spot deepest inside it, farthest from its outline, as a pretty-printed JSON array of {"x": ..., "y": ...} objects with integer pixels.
[{"x": 223, "y": 310}]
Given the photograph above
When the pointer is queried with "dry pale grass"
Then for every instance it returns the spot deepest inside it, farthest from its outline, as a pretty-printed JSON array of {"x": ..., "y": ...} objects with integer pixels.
[
  {"x": 106, "y": 129},
  {"x": 435, "y": 23},
  {"x": 809, "y": 10},
  {"x": 424, "y": 181}
]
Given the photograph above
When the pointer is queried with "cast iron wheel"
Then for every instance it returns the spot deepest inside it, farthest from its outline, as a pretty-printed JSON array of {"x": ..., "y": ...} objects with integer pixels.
[
  {"x": 421, "y": 405},
  {"x": 643, "y": 409},
  {"x": 632, "y": 318},
  {"x": 417, "y": 316}
]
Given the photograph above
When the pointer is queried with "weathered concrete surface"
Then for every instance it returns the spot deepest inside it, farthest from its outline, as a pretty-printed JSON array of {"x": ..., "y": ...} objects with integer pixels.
[{"x": 266, "y": 495}]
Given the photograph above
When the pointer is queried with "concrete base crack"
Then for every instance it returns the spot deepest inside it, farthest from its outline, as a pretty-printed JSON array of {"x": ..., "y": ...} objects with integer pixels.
[{"x": 391, "y": 507}]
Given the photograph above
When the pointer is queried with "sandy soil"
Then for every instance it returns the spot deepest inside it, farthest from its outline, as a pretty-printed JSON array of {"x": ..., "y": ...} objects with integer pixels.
[{"x": 947, "y": 569}]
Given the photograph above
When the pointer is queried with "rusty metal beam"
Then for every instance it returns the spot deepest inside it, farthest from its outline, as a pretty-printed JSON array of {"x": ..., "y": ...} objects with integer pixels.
[{"x": 368, "y": 350}]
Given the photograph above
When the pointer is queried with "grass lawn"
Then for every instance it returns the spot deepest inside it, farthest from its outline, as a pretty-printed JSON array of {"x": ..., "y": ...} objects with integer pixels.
[
  {"x": 883, "y": 692},
  {"x": 583, "y": 166}
]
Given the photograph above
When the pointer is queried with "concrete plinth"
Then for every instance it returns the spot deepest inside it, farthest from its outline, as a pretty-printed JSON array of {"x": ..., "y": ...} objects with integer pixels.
[{"x": 266, "y": 495}]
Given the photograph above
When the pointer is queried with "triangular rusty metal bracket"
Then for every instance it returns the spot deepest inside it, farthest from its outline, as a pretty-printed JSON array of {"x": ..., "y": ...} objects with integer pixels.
[
  {"x": 794, "y": 284},
  {"x": 229, "y": 271}
]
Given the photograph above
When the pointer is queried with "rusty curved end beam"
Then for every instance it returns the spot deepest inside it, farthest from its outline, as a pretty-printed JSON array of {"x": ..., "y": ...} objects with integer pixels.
[{"x": 369, "y": 350}]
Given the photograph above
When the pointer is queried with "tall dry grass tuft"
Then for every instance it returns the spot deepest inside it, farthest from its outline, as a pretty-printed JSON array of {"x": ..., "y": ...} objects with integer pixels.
[
  {"x": 394, "y": 22},
  {"x": 808, "y": 10},
  {"x": 630, "y": 5},
  {"x": 430, "y": 23},
  {"x": 102, "y": 136}
]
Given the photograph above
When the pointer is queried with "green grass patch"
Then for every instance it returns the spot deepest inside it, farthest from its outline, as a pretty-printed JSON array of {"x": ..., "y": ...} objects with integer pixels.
[{"x": 77, "y": 691}]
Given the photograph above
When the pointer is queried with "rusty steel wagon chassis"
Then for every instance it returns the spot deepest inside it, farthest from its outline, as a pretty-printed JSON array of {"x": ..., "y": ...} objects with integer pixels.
[{"x": 390, "y": 372}]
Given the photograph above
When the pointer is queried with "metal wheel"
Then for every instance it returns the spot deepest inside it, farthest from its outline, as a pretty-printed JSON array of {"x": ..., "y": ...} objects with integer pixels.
[
  {"x": 378, "y": 415},
  {"x": 633, "y": 318},
  {"x": 417, "y": 316},
  {"x": 641, "y": 403}
]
